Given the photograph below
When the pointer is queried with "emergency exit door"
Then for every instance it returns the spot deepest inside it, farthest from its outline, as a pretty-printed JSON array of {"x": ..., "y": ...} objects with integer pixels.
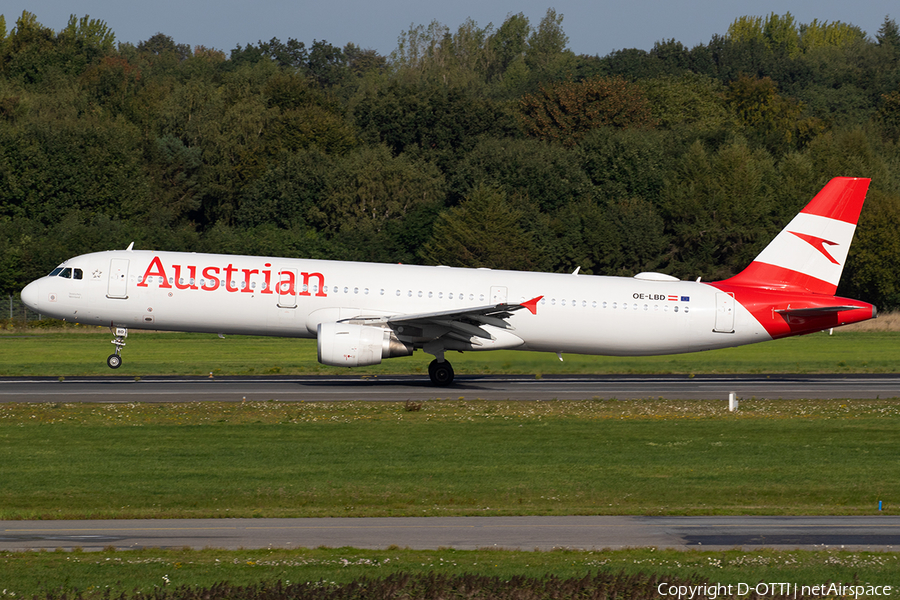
[{"x": 118, "y": 278}]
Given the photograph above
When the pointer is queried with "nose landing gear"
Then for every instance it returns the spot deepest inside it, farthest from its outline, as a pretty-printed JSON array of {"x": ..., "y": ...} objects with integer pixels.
[{"x": 114, "y": 361}]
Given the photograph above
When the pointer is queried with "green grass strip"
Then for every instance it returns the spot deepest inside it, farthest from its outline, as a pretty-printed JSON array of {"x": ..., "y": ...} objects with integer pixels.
[
  {"x": 143, "y": 571},
  {"x": 83, "y": 351},
  {"x": 450, "y": 458}
]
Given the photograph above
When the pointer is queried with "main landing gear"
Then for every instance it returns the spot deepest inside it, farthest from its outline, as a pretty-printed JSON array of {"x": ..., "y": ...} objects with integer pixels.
[
  {"x": 441, "y": 373},
  {"x": 114, "y": 361}
]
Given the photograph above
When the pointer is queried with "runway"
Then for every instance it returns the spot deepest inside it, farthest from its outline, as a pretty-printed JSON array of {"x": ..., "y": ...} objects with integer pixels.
[
  {"x": 464, "y": 533},
  {"x": 468, "y": 387}
]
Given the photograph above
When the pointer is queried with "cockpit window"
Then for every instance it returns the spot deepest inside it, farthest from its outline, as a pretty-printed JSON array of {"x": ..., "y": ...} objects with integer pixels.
[{"x": 67, "y": 272}]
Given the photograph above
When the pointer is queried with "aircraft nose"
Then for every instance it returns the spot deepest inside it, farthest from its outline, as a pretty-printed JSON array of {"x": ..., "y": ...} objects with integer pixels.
[{"x": 31, "y": 295}]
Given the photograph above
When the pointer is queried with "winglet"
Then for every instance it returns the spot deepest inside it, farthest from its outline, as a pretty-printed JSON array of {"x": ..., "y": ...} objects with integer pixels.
[{"x": 531, "y": 305}]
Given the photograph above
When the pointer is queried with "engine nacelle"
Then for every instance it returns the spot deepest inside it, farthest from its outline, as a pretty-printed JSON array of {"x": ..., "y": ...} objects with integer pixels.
[{"x": 346, "y": 345}]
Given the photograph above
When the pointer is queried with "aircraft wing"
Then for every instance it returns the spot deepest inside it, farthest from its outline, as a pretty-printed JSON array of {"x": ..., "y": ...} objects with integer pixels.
[{"x": 462, "y": 324}]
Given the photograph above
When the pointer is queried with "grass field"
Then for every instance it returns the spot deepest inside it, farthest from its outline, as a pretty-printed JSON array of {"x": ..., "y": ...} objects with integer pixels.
[
  {"x": 449, "y": 458},
  {"x": 144, "y": 571},
  {"x": 81, "y": 351}
]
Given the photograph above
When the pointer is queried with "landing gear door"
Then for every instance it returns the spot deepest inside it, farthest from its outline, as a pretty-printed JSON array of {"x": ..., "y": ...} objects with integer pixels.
[
  {"x": 724, "y": 313},
  {"x": 118, "y": 278}
]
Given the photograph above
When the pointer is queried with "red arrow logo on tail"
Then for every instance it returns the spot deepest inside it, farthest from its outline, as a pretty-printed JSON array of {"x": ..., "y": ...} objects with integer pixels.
[{"x": 817, "y": 243}]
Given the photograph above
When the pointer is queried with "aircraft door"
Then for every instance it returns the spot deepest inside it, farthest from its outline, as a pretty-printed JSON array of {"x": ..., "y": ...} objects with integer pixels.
[
  {"x": 724, "y": 313},
  {"x": 118, "y": 278},
  {"x": 498, "y": 294},
  {"x": 287, "y": 288}
]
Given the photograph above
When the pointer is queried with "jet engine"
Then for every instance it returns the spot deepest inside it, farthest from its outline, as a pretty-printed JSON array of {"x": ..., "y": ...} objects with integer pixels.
[{"x": 348, "y": 345}]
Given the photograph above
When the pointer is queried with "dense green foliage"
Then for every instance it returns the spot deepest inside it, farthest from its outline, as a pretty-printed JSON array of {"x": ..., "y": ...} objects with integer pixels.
[{"x": 484, "y": 146}]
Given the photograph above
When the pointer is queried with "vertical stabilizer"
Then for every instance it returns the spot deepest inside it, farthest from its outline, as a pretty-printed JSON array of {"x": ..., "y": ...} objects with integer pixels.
[{"x": 809, "y": 254}]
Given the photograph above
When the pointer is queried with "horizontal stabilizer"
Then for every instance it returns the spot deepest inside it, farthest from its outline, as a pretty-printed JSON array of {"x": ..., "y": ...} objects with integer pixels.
[{"x": 814, "y": 312}]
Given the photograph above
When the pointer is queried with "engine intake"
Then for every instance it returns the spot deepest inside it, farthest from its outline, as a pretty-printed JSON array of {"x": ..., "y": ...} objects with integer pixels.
[{"x": 347, "y": 345}]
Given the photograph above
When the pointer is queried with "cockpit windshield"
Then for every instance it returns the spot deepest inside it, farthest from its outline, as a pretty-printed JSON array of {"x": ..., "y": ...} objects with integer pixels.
[{"x": 67, "y": 272}]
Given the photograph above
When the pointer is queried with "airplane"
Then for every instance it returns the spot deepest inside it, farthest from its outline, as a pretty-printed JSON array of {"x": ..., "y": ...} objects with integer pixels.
[{"x": 361, "y": 313}]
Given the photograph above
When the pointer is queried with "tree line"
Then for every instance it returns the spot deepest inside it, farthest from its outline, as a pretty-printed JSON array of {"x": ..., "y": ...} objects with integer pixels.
[{"x": 483, "y": 146}]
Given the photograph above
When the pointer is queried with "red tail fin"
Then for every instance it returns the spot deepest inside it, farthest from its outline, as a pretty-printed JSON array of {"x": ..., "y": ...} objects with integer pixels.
[{"x": 809, "y": 254}]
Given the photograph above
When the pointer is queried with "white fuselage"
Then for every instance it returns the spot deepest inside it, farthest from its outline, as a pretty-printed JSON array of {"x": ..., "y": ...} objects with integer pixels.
[{"x": 290, "y": 297}]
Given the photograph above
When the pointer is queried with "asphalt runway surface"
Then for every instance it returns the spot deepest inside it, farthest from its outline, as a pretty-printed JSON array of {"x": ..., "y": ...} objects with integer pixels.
[
  {"x": 880, "y": 533},
  {"x": 468, "y": 387}
]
